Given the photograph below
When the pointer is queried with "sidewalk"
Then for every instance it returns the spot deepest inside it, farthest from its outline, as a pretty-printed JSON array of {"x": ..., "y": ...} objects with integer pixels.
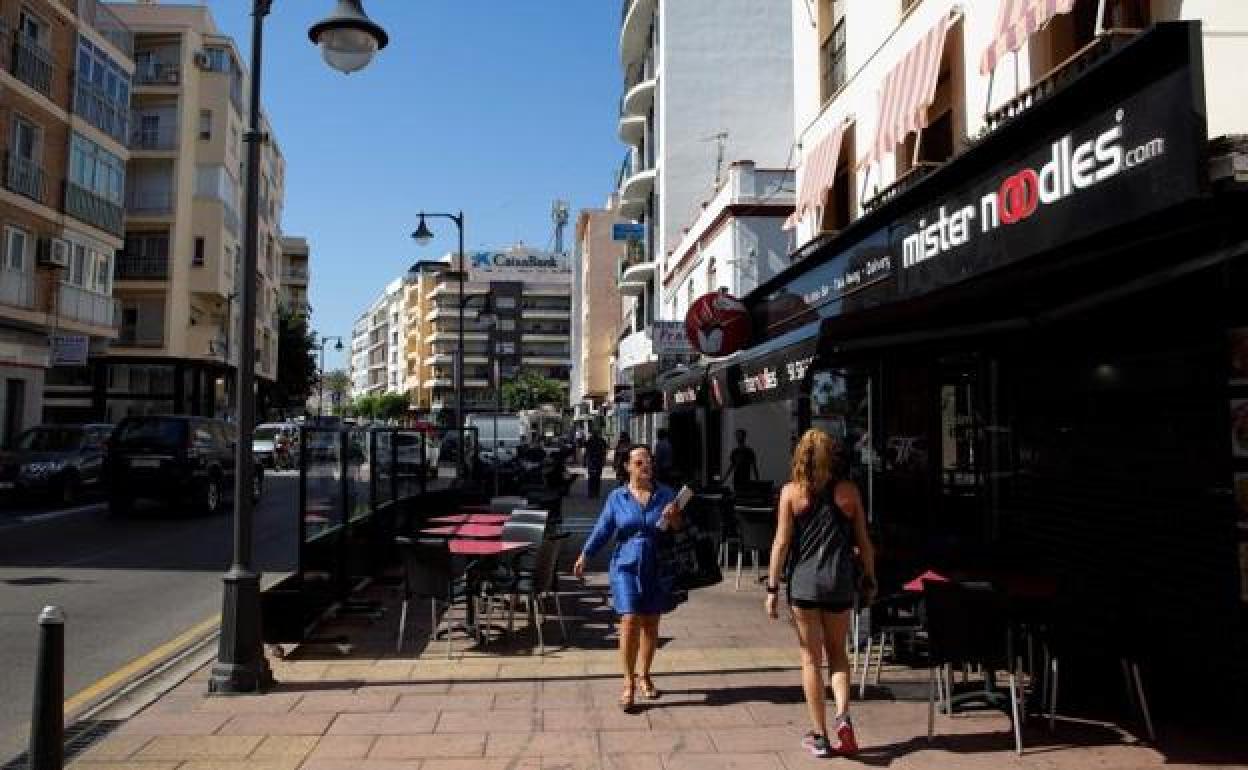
[{"x": 731, "y": 699}]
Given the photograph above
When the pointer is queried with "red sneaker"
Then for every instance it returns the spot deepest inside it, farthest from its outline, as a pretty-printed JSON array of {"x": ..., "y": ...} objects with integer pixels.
[{"x": 848, "y": 743}]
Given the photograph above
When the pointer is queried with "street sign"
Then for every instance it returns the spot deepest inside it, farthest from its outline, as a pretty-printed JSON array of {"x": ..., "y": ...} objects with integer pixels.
[
  {"x": 628, "y": 231},
  {"x": 69, "y": 350}
]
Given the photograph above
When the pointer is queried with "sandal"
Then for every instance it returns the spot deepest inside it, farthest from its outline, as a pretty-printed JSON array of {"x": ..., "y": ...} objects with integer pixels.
[
  {"x": 648, "y": 689},
  {"x": 626, "y": 699}
]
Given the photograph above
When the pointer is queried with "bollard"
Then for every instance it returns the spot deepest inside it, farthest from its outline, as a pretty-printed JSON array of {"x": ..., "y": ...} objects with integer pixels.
[{"x": 47, "y": 728}]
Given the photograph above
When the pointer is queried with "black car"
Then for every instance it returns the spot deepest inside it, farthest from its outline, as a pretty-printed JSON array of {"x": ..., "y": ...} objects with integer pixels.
[
  {"x": 174, "y": 458},
  {"x": 60, "y": 462}
]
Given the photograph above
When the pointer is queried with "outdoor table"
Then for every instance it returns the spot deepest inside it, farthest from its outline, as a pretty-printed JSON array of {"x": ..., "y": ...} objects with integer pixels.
[
  {"x": 471, "y": 518},
  {"x": 462, "y": 546},
  {"x": 465, "y": 530},
  {"x": 916, "y": 585}
]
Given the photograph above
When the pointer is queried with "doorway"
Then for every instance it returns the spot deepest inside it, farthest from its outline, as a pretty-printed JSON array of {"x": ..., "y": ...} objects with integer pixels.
[{"x": 14, "y": 408}]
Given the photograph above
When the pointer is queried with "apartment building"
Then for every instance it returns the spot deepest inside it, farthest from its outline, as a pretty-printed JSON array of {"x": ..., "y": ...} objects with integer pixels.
[
  {"x": 531, "y": 296},
  {"x": 177, "y": 275},
  {"x": 595, "y": 307},
  {"x": 418, "y": 286},
  {"x": 295, "y": 275},
  {"x": 65, "y": 79},
  {"x": 378, "y": 358},
  {"x": 705, "y": 83}
]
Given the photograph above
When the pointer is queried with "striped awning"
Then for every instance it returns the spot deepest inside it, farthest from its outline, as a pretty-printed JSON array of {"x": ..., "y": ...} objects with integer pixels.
[
  {"x": 1018, "y": 20},
  {"x": 907, "y": 93},
  {"x": 818, "y": 174}
]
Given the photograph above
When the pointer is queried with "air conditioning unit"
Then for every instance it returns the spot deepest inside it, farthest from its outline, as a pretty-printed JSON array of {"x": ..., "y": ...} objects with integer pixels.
[
  {"x": 202, "y": 61},
  {"x": 53, "y": 252},
  {"x": 172, "y": 77}
]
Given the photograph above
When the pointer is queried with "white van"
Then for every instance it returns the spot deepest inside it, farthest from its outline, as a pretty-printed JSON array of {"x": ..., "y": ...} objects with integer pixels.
[{"x": 509, "y": 436}]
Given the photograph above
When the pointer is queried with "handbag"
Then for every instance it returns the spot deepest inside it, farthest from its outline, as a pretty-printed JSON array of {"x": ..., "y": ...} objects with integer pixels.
[{"x": 690, "y": 557}]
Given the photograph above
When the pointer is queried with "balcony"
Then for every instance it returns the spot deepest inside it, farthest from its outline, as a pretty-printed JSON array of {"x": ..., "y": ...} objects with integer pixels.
[
  {"x": 149, "y": 203},
  {"x": 159, "y": 138},
  {"x": 17, "y": 289},
  {"x": 635, "y": 29},
  {"x": 89, "y": 307},
  {"x": 25, "y": 177},
  {"x": 295, "y": 275},
  {"x": 134, "y": 337},
  {"x": 135, "y": 267},
  {"x": 636, "y": 273},
  {"x": 101, "y": 111},
  {"x": 88, "y": 207},
  {"x": 636, "y": 183},
  {"x": 632, "y": 128},
  {"x": 32, "y": 64},
  {"x": 158, "y": 72},
  {"x": 544, "y": 336},
  {"x": 639, "y": 87},
  {"x": 104, "y": 21},
  {"x": 547, "y": 313},
  {"x": 450, "y": 335}
]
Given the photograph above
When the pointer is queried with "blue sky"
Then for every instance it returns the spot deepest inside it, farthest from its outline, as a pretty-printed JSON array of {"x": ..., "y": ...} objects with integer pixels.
[{"x": 493, "y": 106}]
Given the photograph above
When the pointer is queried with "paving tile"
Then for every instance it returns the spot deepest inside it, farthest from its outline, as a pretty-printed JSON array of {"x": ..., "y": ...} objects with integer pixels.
[
  {"x": 680, "y": 717},
  {"x": 541, "y": 744},
  {"x": 777, "y": 714},
  {"x": 492, "y": 763},
  {"x": 250, "y": 764},
  {"x": 422, "y": 746},
  {"x": 493, "y": 687},
  {"x": 195, "y": 723},
  {"x": 746, "y": 739},
  {"x": 654, "y": 741},
  {"x": 451, "y": 702},
  {"x": 408, "y": 688},
  {"x": 285, "y": 747},
  {"x": 342, "y": 747},
  {"x": 346, "y": 703},
  {"x": 554, "y": 720},
  {"x": 82, "y": 764},
  {"x": 386, "y": 672},
  {"x": 187, "y": 747},
  {"x": 509, "y": 720},
  {"x": 277, "y": 724},
  {"x": 384, "y": 724},
  {"x": 114, "y": 748},
  {"x": 363, "y": 764},
  {"x": 272, "y": 703},
  {"x": 723, "y": 762}
]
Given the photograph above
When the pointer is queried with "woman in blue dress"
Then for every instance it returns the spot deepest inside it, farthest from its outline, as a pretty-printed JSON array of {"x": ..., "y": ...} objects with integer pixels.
[{"x": 635, "y": 513}]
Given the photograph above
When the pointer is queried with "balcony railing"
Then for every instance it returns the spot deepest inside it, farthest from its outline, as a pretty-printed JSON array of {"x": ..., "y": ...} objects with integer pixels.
[
  {"x": 230, "y": 220},
  {"x": 93, "y": 209},
  {"x": 162, "y": 137},
  {"x": 155, "y": 72},
  {"x": 32, "y": 64},
  {"x": 25, "y": 177},
  {"x": 134, "y": 337},
  {"x": 105, "y": 22},
  {"x": 292, "y": 275},
  {"x": 17, "y": 289},
  {"x": 99, "y": 110},
  {"x": 78, "y": 304},
  {"x": 141, "y": 267},
  {"x": 149, "y": 202}
]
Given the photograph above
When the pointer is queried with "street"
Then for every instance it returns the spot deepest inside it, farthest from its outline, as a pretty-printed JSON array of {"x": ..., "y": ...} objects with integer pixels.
[{"x": 126, "y": 585}]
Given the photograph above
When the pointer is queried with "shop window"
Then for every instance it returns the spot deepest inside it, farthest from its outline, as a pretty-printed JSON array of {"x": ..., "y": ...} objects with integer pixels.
[
  {"x": 1069, "y": 33},
  {"x": 946, "y": 117},
  {"x": 838, "y": 204}
]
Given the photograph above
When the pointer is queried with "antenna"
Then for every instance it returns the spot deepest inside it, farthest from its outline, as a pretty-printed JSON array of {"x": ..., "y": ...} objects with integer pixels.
[
  {"x": 720, "y": 140},
  {"x": 559, "y": 216}
]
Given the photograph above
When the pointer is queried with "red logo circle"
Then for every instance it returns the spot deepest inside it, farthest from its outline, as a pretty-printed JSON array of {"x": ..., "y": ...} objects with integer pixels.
[
  {"x": 717, "y": 324},
  {"x": 1019, "y": 196}
]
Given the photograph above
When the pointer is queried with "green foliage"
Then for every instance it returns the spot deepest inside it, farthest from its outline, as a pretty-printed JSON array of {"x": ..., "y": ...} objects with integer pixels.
[
  {"x": 393, "y": 406},
  {"x": 529, "y": 390},
  {"x": 339, "y": 382},
  {"x": 296, "y": 363},
  {"x": 365, "y": 406}
]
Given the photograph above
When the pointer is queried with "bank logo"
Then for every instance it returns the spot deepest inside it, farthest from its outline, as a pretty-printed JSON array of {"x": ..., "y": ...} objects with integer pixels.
[{"x": 482, "y": 259}]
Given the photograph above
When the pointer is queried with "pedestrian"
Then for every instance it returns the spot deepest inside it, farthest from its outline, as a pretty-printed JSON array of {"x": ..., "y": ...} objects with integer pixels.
[
  {"x": 742, "y": 463},
  {"x": 822, "y": 519},
  {"x": 635, "y": 514},
  {"x": 595, "y": 458},
  {"x": 619, "y": 458},
  {"x": 663, "y": 457}
]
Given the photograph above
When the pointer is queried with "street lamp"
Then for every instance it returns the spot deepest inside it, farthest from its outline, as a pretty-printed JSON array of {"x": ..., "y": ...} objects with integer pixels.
[
  {"x": 320, "y": 399},
  {"x": 348, "y": 41}
]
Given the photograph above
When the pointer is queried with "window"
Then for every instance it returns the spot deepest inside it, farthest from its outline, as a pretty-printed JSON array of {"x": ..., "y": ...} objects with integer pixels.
[
  {"x": 505, "y": 303},
  {"x": 832, "y": 64},
  {"x": 506, "y": 324},
  {"x": 838, "y": 203},
  {"x": 102, "y": 95},
  {"x": 218, "y": 59},
  {"x": 200, "y": 246},
  {"x": 1068, "y": 33},
  {"x": 939, "y": 141},
  {"x": 96, "y": 170},
  {"x": 16, "y": 248},
  {"x": 33, "y": 28},
  {"x": 78, "y": 266},
  {"x": 205, "y": 124},
  {"x": 26, "y": 140}
]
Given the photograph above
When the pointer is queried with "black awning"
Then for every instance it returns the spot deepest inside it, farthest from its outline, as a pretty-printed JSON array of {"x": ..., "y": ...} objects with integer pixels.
[
  {"x": 686, "y": 391},
  {"x": 774, "y": 371}
]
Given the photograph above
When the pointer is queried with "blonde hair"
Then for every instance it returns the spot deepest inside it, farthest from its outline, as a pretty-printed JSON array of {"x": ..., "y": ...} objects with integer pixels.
[{"x": 815, "y": 461}]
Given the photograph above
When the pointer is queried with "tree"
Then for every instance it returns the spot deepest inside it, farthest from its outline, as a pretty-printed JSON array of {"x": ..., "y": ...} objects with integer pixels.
[
  {"x": 393, "y": 406},
  {"x": 529, "y": 390},
  {"x": 337, "y": 382},
  {"x": 296, "y": 363},
  {"x": 365, "y": 406}
]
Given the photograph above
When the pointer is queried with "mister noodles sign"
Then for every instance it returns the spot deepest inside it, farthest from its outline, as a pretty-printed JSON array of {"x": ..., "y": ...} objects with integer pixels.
[{"x": 1120, "y": 144}]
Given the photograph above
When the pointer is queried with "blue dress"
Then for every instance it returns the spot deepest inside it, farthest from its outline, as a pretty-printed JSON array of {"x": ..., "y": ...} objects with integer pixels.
[{"x": 637, "y": 587}]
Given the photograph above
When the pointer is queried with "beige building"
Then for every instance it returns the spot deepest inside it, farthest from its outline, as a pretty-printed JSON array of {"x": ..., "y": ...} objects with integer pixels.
[
  {"x": 177, "y": 277},
  {"x": 596, "y": 307},
  {"x": 296, "y": 273},
  {"x": 65, "y": 72}
]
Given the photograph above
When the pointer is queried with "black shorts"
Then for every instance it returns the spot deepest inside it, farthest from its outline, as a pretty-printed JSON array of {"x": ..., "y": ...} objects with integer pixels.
[{"x": 803, "y": 604}]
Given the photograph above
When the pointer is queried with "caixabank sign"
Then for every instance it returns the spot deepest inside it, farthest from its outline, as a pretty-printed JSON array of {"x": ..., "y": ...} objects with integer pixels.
[{"x": 1123, "y": 142}]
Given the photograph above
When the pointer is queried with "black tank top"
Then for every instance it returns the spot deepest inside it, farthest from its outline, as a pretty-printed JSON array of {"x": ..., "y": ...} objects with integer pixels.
[{"x": 821, "y": 566}]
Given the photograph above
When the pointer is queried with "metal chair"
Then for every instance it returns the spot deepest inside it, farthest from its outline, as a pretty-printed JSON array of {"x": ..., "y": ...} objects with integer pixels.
[
  {"x": 756, "y": 528},
  {"x": 506, "y": 504},
  {"x": 428, "y": 573},
  {"x": 886, "y": 619},
  {"x": 530, "y": 516},
  {"x": 541, "y": 583}
]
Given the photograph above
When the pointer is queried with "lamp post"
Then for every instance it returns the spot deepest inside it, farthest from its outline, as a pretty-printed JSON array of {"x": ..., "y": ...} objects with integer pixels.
[
  {"x": 320, "y": 398},
  {"x": 348, "y": 40},
  {"x": 422, "y": 236}
]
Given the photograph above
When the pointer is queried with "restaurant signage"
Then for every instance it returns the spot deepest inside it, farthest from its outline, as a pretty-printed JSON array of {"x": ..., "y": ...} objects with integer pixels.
[
  {"x": 670, "y": 339},
  {"x": 717, "y": 324},
  {"x": 628, "y": 231},
  {"x": 1121, "y": 143},
  {"x": 777, "y": 371}
]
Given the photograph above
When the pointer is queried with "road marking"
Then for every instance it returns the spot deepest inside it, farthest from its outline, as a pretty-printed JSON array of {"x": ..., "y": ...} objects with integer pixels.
[
  {"x": 52, "y": 515},
  {"x": 139, "y": 665}
]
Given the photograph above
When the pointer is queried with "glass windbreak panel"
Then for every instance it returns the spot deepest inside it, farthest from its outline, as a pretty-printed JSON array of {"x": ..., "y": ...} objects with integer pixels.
[
  {"x": 383, "y": 455},
  {"x": 415, "y": 457},
  {"x": 322, "y": 511},
  {"x": 50, "y": 440},
  {"x": 840, "y": 404},
  {"x": 359, "y": 475}
]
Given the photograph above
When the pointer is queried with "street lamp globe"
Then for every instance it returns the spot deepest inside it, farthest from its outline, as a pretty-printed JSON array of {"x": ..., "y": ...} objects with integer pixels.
[
  {"x": 348, "y": 38},
  {"x": 423, "y": 234}
]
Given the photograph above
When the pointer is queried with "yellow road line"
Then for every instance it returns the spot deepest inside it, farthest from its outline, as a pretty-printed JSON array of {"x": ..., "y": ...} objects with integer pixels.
[{"x": 139, "y": 665}]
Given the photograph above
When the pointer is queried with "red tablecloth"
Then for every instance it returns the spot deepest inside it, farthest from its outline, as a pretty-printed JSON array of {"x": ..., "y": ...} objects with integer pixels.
[
  {"x": 466, "y": 530},
  {"x": 917, "y": 583},
  {"x": 471, "y": 518},
  {"x": 469, "y": 547}
]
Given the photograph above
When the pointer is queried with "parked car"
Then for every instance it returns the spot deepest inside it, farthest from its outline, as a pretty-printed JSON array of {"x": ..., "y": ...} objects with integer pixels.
[
  {"x": 174, "y": 458},
  {"x": 60, "y": 462},
  {"x": 276, "y": 445},
  {"x": 409, "y": 454}
]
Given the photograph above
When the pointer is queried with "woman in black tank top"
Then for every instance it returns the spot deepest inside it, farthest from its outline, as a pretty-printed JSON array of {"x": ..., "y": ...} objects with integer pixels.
[{"x": 821, "y": 543}]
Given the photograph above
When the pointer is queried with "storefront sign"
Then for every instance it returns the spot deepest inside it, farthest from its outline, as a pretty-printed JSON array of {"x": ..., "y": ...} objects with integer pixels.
[
  {"x": 1120, "y": 144},
  {"x": 628, "y": 231},
  {"x": 687, "y": 391},
  {"x": 774, "y": 372},
  {"x": 70, "y": 349},
  {"x": 669, "y": 339},
  {"x": 519, "y": 264},
  {"x": 717, "y": 324}
]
